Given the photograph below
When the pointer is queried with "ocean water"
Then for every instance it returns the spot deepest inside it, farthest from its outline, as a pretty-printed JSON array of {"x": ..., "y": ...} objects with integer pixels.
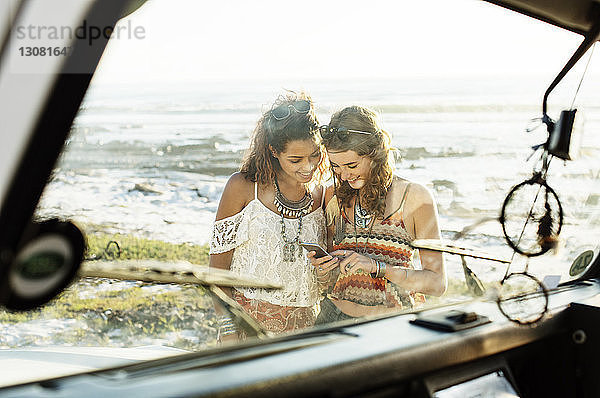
[{"x": 153, "y": 160}]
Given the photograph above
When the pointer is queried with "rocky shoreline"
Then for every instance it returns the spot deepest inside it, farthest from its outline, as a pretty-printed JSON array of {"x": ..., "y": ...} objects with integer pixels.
[{"x": 111, "y": 313}]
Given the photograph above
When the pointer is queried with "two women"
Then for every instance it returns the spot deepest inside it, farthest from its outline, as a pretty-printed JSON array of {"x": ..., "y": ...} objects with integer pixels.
[{"x": 266, "y": 210}]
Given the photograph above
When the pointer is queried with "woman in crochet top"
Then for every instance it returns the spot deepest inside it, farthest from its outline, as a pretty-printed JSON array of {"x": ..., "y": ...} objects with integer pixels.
[{"x": 372, "y": 216}]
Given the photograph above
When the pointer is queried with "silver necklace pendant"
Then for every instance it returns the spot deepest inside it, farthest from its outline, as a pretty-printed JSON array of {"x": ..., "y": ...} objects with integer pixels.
[
  {"x": 289, "y": 251},
  {"x": 290, "y": 245},
  {"x": 361, "y": 218}
]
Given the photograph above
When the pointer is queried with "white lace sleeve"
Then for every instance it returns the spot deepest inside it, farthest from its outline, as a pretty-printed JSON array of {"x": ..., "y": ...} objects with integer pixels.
[{"x": 229, "y": 233}]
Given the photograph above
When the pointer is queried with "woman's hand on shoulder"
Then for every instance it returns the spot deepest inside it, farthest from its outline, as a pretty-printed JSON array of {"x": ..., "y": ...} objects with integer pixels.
[{"x": 238, "y": 192}]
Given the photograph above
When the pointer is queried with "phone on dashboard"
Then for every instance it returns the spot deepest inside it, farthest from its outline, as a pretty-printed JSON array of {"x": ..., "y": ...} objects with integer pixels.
[{"x": 314, "y": 247}]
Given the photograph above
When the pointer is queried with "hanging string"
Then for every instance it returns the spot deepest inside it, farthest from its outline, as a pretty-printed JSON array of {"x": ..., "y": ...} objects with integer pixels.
[
  {"x": 583, "y": 75},
  {"x": 529, "y": 216},
  {"x": 546, "y": 160}
]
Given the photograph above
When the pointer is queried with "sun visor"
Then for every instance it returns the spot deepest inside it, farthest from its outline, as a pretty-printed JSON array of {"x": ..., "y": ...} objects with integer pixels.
[{"x": 574, "y": 15}]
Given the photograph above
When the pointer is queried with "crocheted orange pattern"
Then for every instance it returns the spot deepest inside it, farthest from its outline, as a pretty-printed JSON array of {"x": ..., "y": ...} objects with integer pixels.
[{"x": 388, "y": 241}]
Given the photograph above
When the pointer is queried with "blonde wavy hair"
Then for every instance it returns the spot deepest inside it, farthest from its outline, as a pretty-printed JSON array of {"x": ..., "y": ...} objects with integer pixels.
[
  {"x": 258, "y": 162},
  {"x": 376, "y": 147}
]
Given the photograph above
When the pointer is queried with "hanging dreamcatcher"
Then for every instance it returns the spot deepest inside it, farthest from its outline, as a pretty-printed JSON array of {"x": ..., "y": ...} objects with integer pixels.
[
  {"x": 532, "y": 215},
  {"x": 531, "y": 220}
]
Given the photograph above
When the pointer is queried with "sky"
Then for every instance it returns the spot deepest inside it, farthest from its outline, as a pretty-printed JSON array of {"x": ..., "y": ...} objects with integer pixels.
[{"x": 191, "y": 40}]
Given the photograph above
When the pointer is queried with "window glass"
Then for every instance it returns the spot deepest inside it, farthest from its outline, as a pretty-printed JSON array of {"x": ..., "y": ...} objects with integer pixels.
[{"x": 168, "y": 117}]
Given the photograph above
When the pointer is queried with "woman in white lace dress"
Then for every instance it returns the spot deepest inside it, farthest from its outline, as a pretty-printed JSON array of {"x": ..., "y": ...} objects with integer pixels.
[{"x": 266, "y": 209}]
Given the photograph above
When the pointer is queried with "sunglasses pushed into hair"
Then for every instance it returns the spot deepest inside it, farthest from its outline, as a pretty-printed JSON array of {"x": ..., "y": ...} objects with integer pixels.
[
  {"x": 284, "y": 111},
  {"x": 342, "y": 132}
]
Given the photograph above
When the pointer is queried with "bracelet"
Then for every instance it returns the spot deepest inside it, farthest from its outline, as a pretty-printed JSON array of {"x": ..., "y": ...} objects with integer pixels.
[
  {"x": 377, "y": 269},
  {"x": 381, "y": 270}
]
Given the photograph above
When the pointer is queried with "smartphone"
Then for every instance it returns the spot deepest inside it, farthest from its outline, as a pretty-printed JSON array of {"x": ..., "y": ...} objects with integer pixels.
[{"x": 314, "y": 247}]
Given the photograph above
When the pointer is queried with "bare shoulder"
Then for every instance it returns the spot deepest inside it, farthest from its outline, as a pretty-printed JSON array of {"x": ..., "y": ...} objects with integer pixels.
[
  {"x": 317, "y": 192},
  {"x": 416, "y": 193},
  {"x": 329, "y": 192},
  {"x": 238, "y": 181},
  {"x": 420, "y": 193},
  {"x": 238, "y": 192}
]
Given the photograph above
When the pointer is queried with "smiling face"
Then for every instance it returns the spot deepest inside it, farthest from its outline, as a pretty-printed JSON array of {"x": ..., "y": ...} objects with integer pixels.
[
  {"x": 299, "y": 160},
  {"x": 351, "y": 167}
]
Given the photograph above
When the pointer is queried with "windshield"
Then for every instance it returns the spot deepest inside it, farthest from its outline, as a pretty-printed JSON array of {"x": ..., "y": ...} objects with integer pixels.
[{"x": 169, "y": 118}]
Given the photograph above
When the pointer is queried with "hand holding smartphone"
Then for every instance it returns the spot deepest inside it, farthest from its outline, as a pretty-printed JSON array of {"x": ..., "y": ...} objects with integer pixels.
[{"x": 314, "y": 247}]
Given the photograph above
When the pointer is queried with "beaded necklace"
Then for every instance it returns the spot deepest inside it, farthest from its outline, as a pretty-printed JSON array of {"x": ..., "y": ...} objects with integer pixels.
[{"x": 294, "y": 209}]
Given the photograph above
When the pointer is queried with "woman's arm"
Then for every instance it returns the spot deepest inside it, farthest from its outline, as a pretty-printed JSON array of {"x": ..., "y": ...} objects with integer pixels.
[
  {"x": 236, "y": 195},
  {"x": 234, "y": 198},
  {"x": 422, "y": 215}
]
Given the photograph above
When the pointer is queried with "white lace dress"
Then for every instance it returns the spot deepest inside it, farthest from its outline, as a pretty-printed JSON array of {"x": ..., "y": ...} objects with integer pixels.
[{"x": 255, "y": 234}]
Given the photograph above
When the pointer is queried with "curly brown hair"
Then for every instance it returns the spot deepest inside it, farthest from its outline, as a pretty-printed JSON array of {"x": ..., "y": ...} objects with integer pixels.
[
  {"x": 258, "y": 162},
  {"x": 375, "y": 146}
]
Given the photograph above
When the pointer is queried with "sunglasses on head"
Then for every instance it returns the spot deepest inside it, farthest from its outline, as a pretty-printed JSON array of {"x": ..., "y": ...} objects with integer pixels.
[
  {"x": 285, "y": 110},
  {"x": 342, "y": 132}
]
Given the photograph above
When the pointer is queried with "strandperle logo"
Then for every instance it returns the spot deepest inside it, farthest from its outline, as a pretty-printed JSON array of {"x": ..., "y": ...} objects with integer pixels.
[{"x": 83, "y": 32}]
